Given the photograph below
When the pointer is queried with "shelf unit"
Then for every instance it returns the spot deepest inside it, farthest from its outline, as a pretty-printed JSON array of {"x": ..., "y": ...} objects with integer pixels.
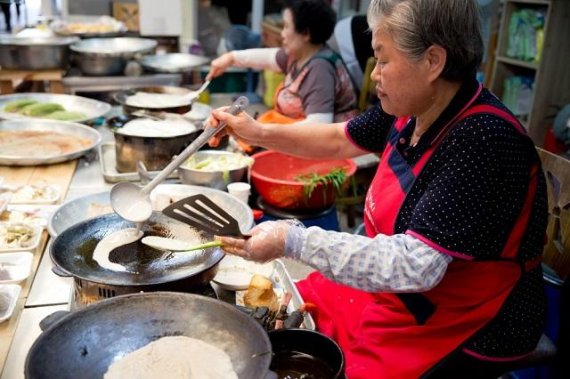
[{"x": 551, "y": 89}]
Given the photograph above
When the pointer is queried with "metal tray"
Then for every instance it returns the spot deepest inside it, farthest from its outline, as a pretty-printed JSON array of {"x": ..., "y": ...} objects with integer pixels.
[
  {"x": 108, "y": 160},
  {"x": 68, "y": 128},
  {"x": 92, "y": 109}
]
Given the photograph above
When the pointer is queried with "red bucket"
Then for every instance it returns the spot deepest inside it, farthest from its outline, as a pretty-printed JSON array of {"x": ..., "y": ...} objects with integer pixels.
[{"x": 274, "y": 176}]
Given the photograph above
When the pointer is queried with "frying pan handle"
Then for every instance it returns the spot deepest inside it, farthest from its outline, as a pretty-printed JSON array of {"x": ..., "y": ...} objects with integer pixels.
[
  {"x": 52, "y": 319},
  {"x": 60, "y": 272}
]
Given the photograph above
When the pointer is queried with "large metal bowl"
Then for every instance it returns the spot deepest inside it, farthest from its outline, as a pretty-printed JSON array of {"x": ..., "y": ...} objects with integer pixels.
[
  {"x": 67, "y": 128},
  {"x": 213, "y": 179},
  {"x": 109, "y": 56},
  {"x": 78, "y": 210},
  {"x": 172, "y": 63},
  {"x": 34, "y": 53},
  {"x": 91, "y": 108}
]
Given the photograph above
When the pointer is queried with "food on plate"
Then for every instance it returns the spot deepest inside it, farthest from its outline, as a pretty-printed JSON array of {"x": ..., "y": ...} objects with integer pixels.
[
  {"x": 219, "y": 163},
  {"x": 260, "y": 293},
  {"x": 174, "y": 357},
  {"x": 63, "y": 115},
  {"x": 157, "y": 100},
  {"x": 102, "y": 25},
  {"x": 40, "y": 144},
  {"x": 33, "y": 108},
  {"x": 32, "y": 193},
  {"x": 40, "y": 109},
  {"x": 144, "y": 127},
  {"x": 17, "y": 105},
  {"x": 16, "y": 236},
  {"x": 25, "y": 216}
]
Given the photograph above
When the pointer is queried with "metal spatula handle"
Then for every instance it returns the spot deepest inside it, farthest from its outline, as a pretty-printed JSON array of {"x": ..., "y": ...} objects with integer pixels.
[{"x": 239, "y": 105}]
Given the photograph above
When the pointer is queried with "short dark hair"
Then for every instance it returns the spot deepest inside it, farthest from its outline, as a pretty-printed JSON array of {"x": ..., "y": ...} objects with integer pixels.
[{"x": 315, "y": 17}]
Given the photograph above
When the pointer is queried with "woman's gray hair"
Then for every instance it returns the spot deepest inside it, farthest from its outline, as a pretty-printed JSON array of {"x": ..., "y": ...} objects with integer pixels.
[{"x": 415, "y": 25}]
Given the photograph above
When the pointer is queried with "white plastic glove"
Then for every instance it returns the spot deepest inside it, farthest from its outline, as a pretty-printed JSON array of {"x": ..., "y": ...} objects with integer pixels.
[{"x": 267, "y": 241}]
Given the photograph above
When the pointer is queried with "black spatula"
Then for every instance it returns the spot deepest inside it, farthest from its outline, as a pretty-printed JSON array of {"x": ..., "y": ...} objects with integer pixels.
[{"x": 203, "y": 214}]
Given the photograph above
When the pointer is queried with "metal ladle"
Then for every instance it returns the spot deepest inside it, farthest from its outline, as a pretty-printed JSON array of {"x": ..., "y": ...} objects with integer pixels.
[{"x": 132, "y": 202}]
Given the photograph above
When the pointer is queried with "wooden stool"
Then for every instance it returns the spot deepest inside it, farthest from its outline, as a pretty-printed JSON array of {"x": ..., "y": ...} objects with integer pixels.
[{"x": 11, "y": 79}]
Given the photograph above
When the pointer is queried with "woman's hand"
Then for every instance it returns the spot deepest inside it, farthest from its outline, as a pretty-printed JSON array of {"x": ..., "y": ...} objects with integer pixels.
[
  {"x": 219, "y": 65},
  {"x": 241, "y": 126},
  {"x": 267, "y": 242}
]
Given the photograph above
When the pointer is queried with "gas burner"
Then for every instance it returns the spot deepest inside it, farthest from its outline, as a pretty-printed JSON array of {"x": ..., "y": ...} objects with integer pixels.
[
  {"x": 87, "y": 292},
  {"x": 300, "y": 214}
]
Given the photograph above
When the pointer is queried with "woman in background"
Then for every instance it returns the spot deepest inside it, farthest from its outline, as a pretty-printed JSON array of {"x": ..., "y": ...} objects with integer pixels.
[{"x": 317, "y": 86}]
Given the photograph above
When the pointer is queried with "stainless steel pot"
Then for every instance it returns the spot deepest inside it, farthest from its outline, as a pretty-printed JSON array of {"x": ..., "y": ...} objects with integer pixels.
[
  {"x": 34, "y": 53},
  {"x": 154, "y": 152},
  {"x": 109, "y": 56}
]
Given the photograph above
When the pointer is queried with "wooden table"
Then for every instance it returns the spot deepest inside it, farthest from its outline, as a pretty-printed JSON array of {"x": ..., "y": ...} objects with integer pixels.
[
  {"x": 10, "y": 79},
  {"x": 58, "y": 175}
]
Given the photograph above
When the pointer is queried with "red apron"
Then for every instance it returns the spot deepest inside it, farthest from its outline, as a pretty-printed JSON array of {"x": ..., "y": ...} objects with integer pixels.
[{"x": 380, "y": 336}]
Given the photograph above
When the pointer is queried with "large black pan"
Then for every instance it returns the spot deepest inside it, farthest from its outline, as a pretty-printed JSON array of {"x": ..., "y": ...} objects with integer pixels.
[
  {"x": 72, "y": 252},
  {"x": 85, "y": 343}
]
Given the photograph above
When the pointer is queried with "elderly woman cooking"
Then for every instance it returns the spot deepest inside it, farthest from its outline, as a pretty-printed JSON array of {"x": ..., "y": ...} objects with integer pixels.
[
  {"x": 317, "y": 86},
  {"x": 448, "y": 282}
]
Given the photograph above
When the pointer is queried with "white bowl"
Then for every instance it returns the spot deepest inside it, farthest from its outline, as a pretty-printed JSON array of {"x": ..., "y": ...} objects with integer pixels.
[{"x": 15, "y": 267}]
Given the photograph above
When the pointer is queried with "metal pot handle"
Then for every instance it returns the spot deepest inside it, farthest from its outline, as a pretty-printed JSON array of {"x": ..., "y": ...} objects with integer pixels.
[
  {"x": 48, "y": 321},
  {"x": 60, "y": 272}
]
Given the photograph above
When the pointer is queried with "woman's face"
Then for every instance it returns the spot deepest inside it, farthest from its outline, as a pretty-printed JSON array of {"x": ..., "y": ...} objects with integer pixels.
[
  {"x": 293, "y": 42},
  {"x": 401, "y": 84}
]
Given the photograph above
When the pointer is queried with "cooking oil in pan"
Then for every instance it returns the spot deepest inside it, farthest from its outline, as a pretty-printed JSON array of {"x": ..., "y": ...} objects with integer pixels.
[{"x": 296, "y": 365}]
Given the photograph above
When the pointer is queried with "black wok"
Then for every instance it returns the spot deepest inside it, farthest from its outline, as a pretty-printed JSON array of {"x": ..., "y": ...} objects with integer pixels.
[
  {"x": 121, "y": 98},
  {"x": 83, "y": 344},
  {"x": 72, "y": 252}
]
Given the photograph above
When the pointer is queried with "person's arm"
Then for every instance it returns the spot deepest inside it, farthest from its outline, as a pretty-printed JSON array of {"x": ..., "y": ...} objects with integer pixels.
[
  {"x": 315, "y": 141},
  {"x": 259, "y": 59},
  {"x": 398, "y": 263}
]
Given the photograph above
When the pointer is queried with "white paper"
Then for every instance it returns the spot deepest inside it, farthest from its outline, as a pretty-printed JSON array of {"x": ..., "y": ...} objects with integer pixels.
[{"x": 160, "y": 17}]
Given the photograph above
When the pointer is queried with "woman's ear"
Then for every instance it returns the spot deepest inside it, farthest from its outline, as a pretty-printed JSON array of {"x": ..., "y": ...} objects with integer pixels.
[{"x": 436, "y": 56}]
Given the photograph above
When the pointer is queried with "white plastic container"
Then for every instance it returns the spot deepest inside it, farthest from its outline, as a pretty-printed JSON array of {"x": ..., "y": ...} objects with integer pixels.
[
  {"x": 9, "y": 294},
  {"x": 15, "y": 267}
]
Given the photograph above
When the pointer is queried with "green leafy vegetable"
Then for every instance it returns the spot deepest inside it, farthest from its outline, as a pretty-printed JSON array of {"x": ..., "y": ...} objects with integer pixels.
[{"x": 336, "y": 177}]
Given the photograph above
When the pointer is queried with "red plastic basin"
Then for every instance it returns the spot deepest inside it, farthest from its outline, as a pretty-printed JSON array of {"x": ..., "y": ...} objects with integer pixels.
[{"x": 274, "y": 174}]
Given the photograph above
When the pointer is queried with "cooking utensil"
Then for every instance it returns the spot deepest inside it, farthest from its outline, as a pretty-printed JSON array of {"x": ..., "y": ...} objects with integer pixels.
[
  {"x": 72, "y": 255},
  {"x": 174, "y": 245},
  {"x": 34, "y": 53},
  {"x": 192, "y": 96},
  {"x": 92, "y": 109},
  {"x": 203, "y": 214},
  {"x": 67, "y": 128},
  {"x": 214, "y": 179},
  {"x": 125, "y": 195},
  {"x": 172, "y": 62},
  {"x": 122, "y": 96},
  {"x": 83, "y": 344},
  {"x": 89, "y": 206},
  {"x": 109, "y": 56}
]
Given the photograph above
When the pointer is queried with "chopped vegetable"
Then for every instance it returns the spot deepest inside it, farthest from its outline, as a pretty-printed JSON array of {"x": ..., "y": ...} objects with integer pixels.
[{"x": 336, "y": 176}]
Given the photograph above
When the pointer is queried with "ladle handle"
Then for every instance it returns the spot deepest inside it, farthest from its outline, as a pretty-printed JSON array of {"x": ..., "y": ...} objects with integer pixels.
[{"x": 239, "y": 105}]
